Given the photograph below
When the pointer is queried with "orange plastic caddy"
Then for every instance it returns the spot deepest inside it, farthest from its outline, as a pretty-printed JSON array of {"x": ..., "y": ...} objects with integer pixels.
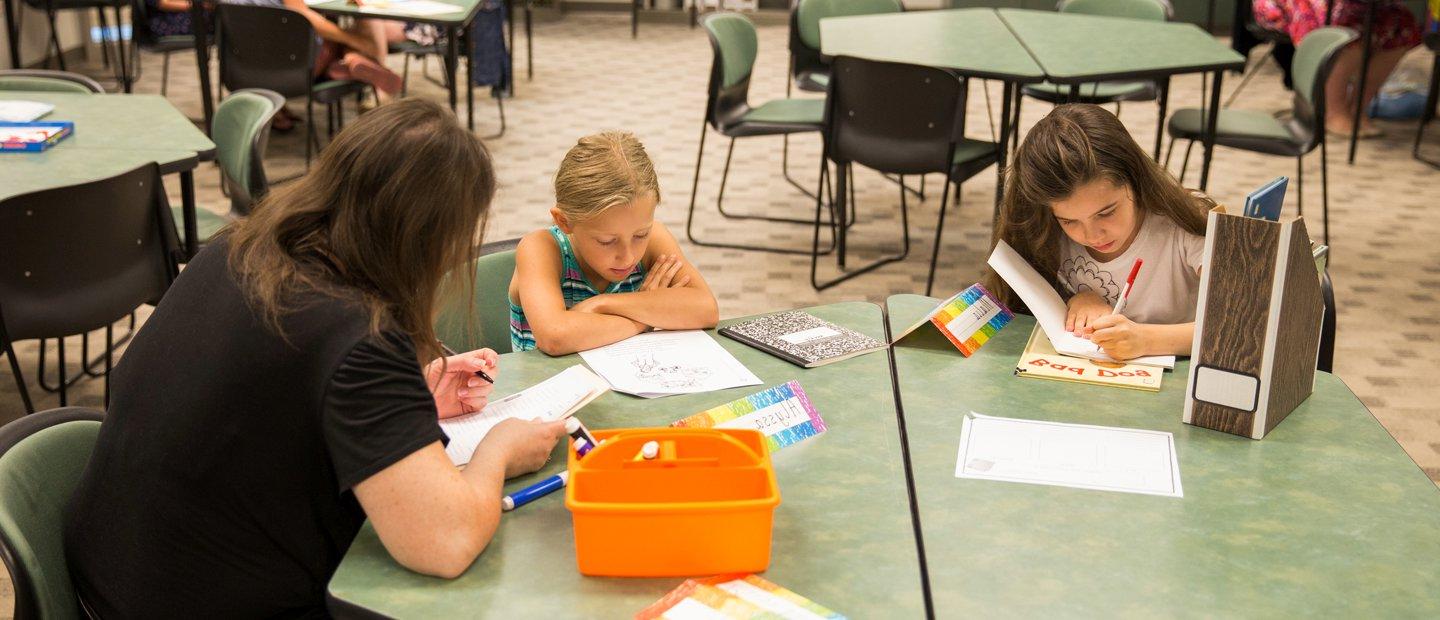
[{"x": 705, "y": 505}]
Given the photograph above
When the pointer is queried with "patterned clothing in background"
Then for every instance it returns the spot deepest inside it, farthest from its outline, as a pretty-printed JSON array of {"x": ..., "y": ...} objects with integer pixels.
[
  {"x": 574, "y": 286},
  {"x": 1394, "y": 28},
  {"x": 168, "y": 23}
]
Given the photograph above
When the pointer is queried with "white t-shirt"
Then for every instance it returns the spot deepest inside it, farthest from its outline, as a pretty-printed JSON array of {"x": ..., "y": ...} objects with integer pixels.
[{"x": 1168, "y": 284}]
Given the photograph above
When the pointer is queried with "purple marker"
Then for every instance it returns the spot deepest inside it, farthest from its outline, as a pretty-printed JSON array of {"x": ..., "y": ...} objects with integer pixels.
[{"x": 582, "y": 439}]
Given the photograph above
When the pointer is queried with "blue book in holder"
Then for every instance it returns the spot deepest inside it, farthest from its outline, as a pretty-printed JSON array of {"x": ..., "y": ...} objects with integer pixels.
[{"x": 1265, "y": 203}]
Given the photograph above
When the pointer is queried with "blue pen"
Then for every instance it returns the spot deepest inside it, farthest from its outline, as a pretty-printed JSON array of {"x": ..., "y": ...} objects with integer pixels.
[{"x": 534, "y": 491}]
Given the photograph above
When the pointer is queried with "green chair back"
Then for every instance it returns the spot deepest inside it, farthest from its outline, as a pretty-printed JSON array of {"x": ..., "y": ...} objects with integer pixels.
[
  {"x": 37, "y": 477},
  {"x": 810, "y": 12},
  {"x": 1314, "y": 58},
  {"x": 733, "y": 38},
  {"x": 492, "y": 307},
  {"x": 48, "y": 81},
  {"x": 1152, "y": 10},
  {"x": 239, "y": 131}
]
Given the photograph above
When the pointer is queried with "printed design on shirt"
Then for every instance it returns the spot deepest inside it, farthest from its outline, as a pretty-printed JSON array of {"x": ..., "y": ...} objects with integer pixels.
[{"x": 1082, "y": 274}]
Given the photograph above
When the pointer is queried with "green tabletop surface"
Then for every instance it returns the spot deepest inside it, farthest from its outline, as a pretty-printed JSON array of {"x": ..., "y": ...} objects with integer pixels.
[
  {"x": 1073, "y": 48},
  {"x": 972, "y": 42},
  {"x": 113, "y": 134},
  {"x": 1324, "y": 516},
  {"x": 843, "y": 534},
  {"x": 381, "y": 9}
]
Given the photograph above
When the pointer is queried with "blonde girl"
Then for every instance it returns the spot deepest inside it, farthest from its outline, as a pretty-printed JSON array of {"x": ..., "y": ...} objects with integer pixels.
[
  {"x": 1081, "y": 203},
  {"x": 606, "y": 270}
]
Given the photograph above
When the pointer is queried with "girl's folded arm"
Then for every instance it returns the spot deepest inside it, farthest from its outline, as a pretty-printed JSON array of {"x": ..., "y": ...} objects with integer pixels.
[
  {"x": 683, "y": 302},
  {"x": 559, "y": 331}
]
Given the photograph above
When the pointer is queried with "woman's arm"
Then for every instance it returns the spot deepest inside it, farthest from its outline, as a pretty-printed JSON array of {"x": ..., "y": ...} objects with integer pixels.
[
  {"x": 559, "y": 331},
  {"x": 435, "y": 519},
  {"x": 683, "y": 301}
]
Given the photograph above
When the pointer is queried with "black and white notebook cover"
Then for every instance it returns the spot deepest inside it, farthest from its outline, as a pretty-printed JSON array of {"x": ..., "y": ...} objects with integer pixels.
[{"x": 802, "y": 338}]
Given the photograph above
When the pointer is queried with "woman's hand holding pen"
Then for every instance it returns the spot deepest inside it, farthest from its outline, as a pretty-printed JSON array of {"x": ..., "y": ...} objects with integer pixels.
[{"x": 462, "y": 383}]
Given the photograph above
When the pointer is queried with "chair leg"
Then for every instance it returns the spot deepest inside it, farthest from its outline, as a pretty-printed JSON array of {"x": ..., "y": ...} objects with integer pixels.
[
  {"x": 939, "y": 230},
  {"x": 1300, "y": 185},
  {"x": 404, "y": 75},
  {"x": 846, "y": 175},
  {"x": 109, "y": 360},
  {"x": 111, "y": 344},
  {"x": 1325, "y": 194},
  {"x": 1185, "y": 163},
  {"x": 719, "y": 204},
  {"x": 15, "y": 369},
  {"x": 60, "y": 356},
  {"x": 1169, "y": 150},
  {"x": 120, "y": 54},
  {"x": 54, "y": 39},
  {"x": 310, "y": 137}
]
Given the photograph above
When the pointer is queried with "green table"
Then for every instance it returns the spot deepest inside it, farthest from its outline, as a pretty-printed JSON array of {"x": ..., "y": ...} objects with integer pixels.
[
  {"x": 968, "y": 42},
  {"x": 113, "y": 134},
  {"x": 1325, "y": 516},
  {"x": 1076, "y": 49},
  {"x": 843, "y": 531}
]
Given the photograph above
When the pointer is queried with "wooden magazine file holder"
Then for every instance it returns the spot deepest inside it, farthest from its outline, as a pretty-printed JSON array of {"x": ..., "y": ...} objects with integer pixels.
[{"x": 1257, "y": 325}]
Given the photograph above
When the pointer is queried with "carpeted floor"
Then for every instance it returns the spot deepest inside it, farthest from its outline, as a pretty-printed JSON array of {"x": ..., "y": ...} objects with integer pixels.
[{"x": 590, "y": 75}]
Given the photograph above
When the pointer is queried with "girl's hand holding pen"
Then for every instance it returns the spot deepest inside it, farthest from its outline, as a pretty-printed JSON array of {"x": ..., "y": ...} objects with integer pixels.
[{"x": 462, "y": 383}]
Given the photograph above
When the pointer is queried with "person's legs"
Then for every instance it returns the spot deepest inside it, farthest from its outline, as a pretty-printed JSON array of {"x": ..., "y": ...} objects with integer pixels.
[
  {"x": 1382, "y": 64},
  {"x": 1339, "y": 103}
]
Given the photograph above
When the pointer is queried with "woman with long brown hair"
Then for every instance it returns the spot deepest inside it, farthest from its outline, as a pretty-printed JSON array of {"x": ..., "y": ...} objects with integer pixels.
[
  {"x": 288, "y": 387},
  {"x": 1082, "y": 202}
]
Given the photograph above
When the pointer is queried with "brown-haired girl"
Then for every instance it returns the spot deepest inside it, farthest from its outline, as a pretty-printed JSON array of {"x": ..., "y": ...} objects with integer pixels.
[
  {"x": 1082, "y": 202},
  {"x": 606, "y": 270},
  {"x": 287, "y": 388}
]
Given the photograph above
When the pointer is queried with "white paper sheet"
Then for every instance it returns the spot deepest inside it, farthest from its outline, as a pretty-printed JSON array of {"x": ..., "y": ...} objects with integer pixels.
[
  {"x": 418, "y": 8},
  {"x": 665, "y": 363},
  {"x": 17, "y": 111},
  {"x": 1102, "y": 458},
  {"x": 1049, "y": 309},
  {"x": 550, "y": 399}
]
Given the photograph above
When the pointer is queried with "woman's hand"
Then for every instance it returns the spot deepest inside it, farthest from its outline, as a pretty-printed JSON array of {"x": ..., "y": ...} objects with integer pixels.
[
  {"x": 524, "y": 446},
  {"x": 457, "y": 389},
  {"x": 662, "y": 274},
  {"x": 1082, "y": 310},
  {"x": 1120, "y": 337}
]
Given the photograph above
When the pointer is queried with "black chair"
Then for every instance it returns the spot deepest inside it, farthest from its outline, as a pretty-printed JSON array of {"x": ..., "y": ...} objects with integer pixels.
[
  {"x": 145, "y": 39},
  {"x": 275, "y": 48},
  {"x": 1245, "y": 35},
  {"x": 1432, "y": 41},
  {"x": 900, "y": 119},
  {"x": 120, "y": 251},
  {"x": 42, "y": 458},
  {"x": 728, "y": 111},
  {"x": 52, "y": 7}
]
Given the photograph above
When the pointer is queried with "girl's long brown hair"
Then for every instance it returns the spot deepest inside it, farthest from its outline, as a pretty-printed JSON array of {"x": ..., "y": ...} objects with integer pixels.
[
  {"x": 395, "y": 204},
  {"x": 1074, "y": 145}
]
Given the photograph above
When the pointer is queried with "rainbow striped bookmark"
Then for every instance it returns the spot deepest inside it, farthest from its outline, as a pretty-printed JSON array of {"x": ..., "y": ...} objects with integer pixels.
[
  {"x": 782, "y": 413},
  {"x": 969, "y": 319}
]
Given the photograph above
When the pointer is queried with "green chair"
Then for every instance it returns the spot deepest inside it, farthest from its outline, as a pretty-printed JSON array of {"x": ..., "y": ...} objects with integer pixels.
[
  {"x": 1261, "y": 132},
  {"x": 728, "y": 111},
  {"x": 1105, "y": 92},
  {"x": 48, "y": 81},
  {"x": 808, "y": 69},
  {"x": 240, "y": 130},
  {"x": 491, "y": 304},
  {"x": 42, "y": 457}
]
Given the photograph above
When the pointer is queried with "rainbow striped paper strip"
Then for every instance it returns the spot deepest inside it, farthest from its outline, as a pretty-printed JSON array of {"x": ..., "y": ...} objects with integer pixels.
[
  {"x": 735, "y": 596},
  {"x": 782, "y": 413},
  {"x": 971, "y": 318}
]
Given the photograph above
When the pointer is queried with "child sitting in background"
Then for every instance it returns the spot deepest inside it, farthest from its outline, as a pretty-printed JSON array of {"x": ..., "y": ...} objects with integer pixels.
[
  {"x": 1082, "y": 202},
  {"x": 606, "y": 270}
]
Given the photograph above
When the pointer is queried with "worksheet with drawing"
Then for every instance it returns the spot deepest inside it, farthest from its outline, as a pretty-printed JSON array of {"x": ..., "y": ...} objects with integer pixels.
[{"x": 665, "y": 363}]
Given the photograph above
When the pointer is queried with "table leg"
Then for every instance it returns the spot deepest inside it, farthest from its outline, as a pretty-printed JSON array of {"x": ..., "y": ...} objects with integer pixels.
[
  {"x": 466, "y": 43},
  {"x": 452, "y": 62},
  {"x": 1001, "y": 148},
  {"x": 841, "y": 205},
  {"x": 1366, "y": 32},
  {"x": 187, "y": 209},
  {"x": 1212, "y": 116},
  {"x": 634, "y": 19},
  {"x": 201, "y": 28},
  {"x": 1074, "y": 93},
  {"x": 11, "y": 36},
  {"x": 529, "y": 46},
  {"x": 1164, "y": 84}
]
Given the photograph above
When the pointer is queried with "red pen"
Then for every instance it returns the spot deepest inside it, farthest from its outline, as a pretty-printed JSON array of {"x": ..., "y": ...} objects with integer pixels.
[{"x": 1129, "y": 282}]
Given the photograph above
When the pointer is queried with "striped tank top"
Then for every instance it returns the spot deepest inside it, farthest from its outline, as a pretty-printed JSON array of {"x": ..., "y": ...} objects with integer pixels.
[{"x": 573, "y": 286}]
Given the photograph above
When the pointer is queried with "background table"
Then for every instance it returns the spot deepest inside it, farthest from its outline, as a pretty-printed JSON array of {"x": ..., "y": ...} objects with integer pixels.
[
  {"x": 1076, "y": 49},
  {"x": 1325, "y": 516},
  {"x": 843, "y": 531},
  {"x": 113, "y": 134}
]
